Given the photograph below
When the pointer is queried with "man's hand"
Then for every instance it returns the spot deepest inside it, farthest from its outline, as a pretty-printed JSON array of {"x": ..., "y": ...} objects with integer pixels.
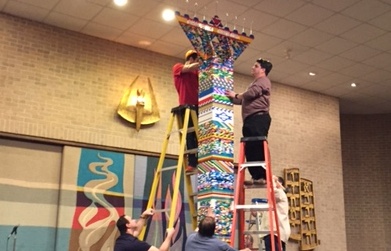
[
  {"x": 147, "y": 213},
  {"x": 230, "y": 94},
  {"x": 170, "y": 232}
]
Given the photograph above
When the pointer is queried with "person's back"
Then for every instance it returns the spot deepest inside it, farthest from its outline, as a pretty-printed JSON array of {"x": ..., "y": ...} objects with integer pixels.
[
  {"x": 195, "y": 241},
  {"x": 204, "y": 240}
]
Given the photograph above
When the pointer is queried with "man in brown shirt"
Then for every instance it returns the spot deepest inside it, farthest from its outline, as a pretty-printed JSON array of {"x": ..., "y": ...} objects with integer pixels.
[{"x": 255, "y": 103}]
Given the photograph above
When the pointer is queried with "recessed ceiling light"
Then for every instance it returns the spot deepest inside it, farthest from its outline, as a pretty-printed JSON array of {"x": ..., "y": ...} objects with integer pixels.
[
  {"x": 353, "y": 85},
  {"x": 312, "y": 73},
  {"x": 168, "y": 15},
  {"x": 144, "y": 42},
  {"x": 120, "y": 2}
]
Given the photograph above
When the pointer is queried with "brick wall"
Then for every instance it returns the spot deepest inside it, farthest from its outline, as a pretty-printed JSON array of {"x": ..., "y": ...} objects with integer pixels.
[
  {"x": 60, "y": 85},
  {"x": 366, "y": 158}
]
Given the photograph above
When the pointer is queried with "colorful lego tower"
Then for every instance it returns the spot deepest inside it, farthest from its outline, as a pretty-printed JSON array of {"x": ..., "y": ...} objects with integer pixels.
[{"x": 218, "y": 48}]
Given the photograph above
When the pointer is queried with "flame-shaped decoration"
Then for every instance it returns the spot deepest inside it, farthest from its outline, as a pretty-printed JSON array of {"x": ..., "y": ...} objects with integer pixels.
[{"x": 142, "y": 113}]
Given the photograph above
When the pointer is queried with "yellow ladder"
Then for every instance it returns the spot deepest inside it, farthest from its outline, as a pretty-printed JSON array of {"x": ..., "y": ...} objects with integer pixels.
[
  {"x": 182, "y": 115},
  {"x": 239, "y": 198}
]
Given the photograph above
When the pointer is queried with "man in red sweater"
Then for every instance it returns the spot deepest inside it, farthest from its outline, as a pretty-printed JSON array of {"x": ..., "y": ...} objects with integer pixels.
[{"x": 186, "y": 84}]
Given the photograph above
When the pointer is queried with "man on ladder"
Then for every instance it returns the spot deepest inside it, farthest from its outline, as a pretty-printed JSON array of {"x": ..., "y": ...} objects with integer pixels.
[
  {"x": 186, "y": 84},
  {"x": 255, "y": 103}
]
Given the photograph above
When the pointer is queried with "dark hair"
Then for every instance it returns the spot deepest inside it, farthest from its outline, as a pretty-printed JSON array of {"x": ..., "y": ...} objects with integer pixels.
[
  {"x": 265, "y": 64},
  {"x": 281, "y": 180},
  {"x": 193, "y": 56},
  {"x": 207, "y": 226},
  {"x": 121, "y": 224}
]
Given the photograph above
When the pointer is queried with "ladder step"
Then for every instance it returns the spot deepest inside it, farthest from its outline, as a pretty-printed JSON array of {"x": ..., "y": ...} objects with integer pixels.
[
  {"x": 168, "y": 168},
  {"x": 194, "y": 150},
  {"x": 256, "y": 232},
  {"x": 253, "y": 163},
  {"x": 189, "y": 130},
  {"x": 258, "y": 207}
]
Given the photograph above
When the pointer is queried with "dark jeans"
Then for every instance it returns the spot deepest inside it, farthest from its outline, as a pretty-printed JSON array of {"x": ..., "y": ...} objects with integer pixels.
[
  {"x": 191, "y": 141},
  {"x": 256, "y": 125},
  {"x": 268, "y": 243}
]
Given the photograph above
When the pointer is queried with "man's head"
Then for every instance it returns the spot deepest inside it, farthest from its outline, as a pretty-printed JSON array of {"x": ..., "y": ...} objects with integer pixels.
[
  {"x": 124, "y": 223},
  {"x": 207, "y": 226},
  {"x": 265, "y": 64},
  {"x": 191, "y": 54}
]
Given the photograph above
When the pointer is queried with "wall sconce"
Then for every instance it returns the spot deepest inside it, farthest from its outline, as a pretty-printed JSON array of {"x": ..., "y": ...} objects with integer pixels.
[{"x": 139, "y": 106}]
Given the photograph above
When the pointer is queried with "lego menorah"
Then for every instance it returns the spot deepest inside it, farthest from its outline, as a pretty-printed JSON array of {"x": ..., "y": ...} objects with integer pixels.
[{"x": 218, "y": 48}]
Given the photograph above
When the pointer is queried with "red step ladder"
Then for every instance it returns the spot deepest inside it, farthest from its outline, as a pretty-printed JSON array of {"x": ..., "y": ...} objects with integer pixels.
[{"x": 239, "y": 207}]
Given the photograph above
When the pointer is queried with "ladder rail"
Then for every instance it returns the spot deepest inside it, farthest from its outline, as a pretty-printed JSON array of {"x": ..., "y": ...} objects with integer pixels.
[
  {"x": 181, "y": 164},
  {"x": 273, "y": 215},
  {"x": 239, "y": 200},
  {"x": 183, "y": 128}
]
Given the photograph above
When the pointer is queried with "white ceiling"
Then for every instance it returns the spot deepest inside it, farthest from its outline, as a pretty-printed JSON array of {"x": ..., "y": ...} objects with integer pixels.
[{"x": 343, "y": 41}]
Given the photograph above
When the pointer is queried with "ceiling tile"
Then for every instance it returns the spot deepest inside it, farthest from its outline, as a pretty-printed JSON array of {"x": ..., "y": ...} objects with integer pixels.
[
  {"x": 255, "y": 20},
  {"x": 378, "y": 77},
  {"x": 311, "y": 37},
  {"x": 335, "y": 63},
  {"x": 366, "y": 10},
  {"x": 381, "y": 43},
  {"x": 45, "y": 4},
  {"x": 132, "y": 39},
  {"x": 381, "y": 61},
  {"x": 279, "y": 8},
  {"x": 336, "y": 45},
  {"x": 264, "y": 42},
  {"x": 176, "y": 36},
  {"x": 334, "y": 79},
  {"x": 79, "y": 9},
  {"x": 139, "y": 8},
  {"x": 65, "y": 21},
  {"x": 150, "y": 28},
  {"x": 338, "y": 90},
  {"x": 337, "y": 24},
  {"x": 360, "y": 53},
  {"x": 357, "y": 70},
  {"x": 362, "y": 33},
  {"x": 335, "y": 5},
  {"x": 165, "y": 48},
  {"x": 25, "y": 11},
  {"x": 115, "y": 18},
  {"x": 2, "y": 4},
  {"x": 102, "y": 31},
  {"x": 312, "y": 56},
  {"x": 309, "y": 14},
  {"x": 291, "y": 66},
  {"x": 284, "y": 29},
  {"x": 248, "y": 3},
  {"x": 288, "y": 49},
  {"x": 383, "y": 21},
  {"x": 227, "y": 11}
]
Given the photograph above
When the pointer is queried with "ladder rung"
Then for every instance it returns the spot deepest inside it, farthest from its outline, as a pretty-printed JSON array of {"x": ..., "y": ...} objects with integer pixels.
[
  {"x": 256, "y": 232},
  {"x": 193, "y": 194},
  {"x": 161, "y": 210},
  {"x": 168, "y": 168},
  {"x": 194, "y": 150},
  {"x": 189, "y": 130},
  {"x": 253, "y": 163},
  {"x": 258, "y": 207}
]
